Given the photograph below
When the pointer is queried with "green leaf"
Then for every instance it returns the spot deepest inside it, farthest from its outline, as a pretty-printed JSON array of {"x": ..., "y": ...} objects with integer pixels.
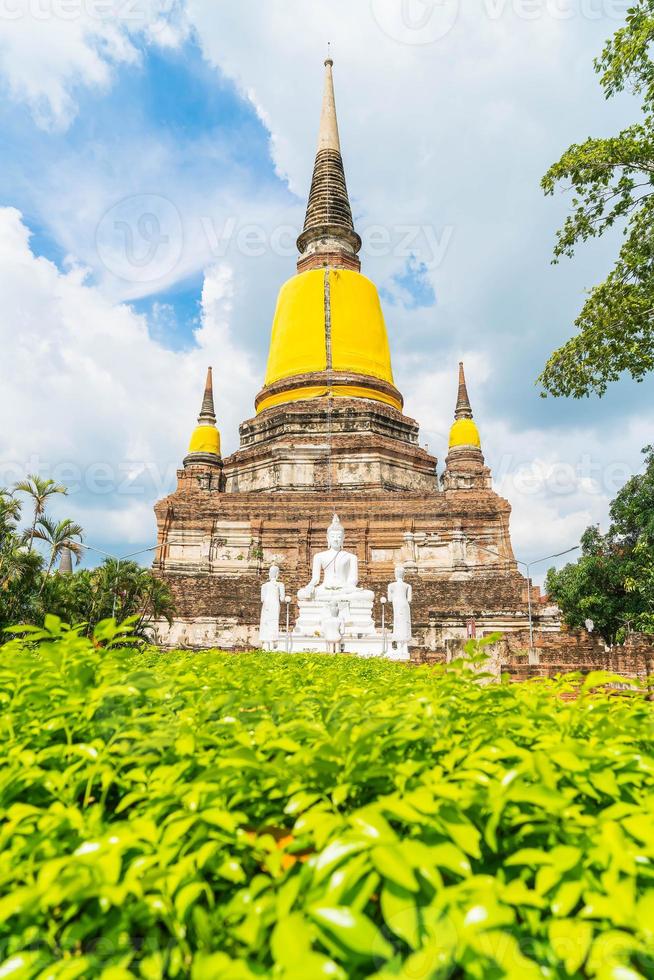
[
  {"x": 566, "y": 759},
  {"x": 645, "y": 913},
  {"x": 451, "y": 858},
  {"x": 333, "y": 855},
  {"x": 391, "y": 865},
  {"x": 16, "y": 902},
  {"x": 464, "y": 834},
  {"x": 352, "y": 930},
  {"x": 291, "y": 941},
  {"x": 20, "y": 966},
  {"x": 528, "y": 856},
  {"x": 187, "y": 896},
  {"x": 314, "y": 965},
  {"x": 214, "y": 965},
  {"x": 640, "y": 827},
  {"x": 372, "y": 824},
  {"x": 600, "y": 678},
  {"x": 567, "y": 898},
  {"x": 185, "y": 744},
  {"x": 401, "y": 914},
  {"x": 570, "y": 939}
]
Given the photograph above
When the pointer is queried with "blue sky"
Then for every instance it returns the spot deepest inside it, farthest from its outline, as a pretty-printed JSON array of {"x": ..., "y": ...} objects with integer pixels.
[{"x": 188, "y": 135}]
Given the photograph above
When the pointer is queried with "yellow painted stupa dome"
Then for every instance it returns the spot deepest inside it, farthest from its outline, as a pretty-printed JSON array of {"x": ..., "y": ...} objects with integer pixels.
[
  {"x": 329, "y": 333},
  {"x": 205, "y": 439},
  {"x": 464, "y": 432}
]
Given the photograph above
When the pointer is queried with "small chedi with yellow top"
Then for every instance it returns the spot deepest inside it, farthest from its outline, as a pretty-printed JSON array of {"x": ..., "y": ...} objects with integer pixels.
[{"x": 329, "y": 435}]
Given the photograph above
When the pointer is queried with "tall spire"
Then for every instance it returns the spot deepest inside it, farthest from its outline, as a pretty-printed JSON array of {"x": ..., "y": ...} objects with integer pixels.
[
  {"x": 207, "y": 414},
  {"x": 464, "y": 434},
  {"x": 328, "y": 238},
  {"x": 464, "y": 465},
  {"x": 463, "y": 409},
  {"x": 204, "y": 448}
]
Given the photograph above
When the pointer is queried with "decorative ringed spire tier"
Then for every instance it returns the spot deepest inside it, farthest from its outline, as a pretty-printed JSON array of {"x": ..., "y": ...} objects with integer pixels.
[
  {"x": 207, "y": 414},
  {"x": 328, "y": 237},
  {"x": 463, "y": 409}
]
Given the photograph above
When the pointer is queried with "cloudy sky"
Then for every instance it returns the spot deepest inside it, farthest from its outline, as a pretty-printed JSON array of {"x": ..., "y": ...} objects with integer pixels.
[{"x": 156, "y": 161}]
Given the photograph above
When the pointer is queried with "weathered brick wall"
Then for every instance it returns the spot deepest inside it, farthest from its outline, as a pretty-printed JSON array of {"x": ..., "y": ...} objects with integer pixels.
[
  {"x": 577, "y": 650},
  {"x": 207, "y": 595},
  {"x": 564, "y": 652}
]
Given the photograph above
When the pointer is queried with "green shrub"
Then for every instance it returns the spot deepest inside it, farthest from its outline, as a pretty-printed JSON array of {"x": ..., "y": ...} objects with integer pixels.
[{"x": 216, "y": 816}]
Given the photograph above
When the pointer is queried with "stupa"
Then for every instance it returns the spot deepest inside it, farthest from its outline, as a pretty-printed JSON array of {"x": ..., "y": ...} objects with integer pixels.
[{"x": 330, "y": 436}]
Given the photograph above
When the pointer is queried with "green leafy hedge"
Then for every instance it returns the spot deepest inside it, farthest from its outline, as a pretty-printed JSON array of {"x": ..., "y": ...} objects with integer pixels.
[{"x": 216, "y": 816}]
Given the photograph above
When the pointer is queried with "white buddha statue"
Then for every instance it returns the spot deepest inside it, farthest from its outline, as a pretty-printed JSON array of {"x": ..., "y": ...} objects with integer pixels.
[
  {"x": 338, "y": 569},
  {"x": 400, "y": 594},
  {"x": 273, "y": 594}
]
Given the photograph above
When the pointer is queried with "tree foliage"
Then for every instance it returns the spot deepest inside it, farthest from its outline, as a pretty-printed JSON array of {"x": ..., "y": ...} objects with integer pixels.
[
  {"x": 30, "y": 586},
  {"x": 205, "y": 816},
  {"x": 613, "y": 581},
  {"x": 113, "y": 590},
  {"x": 612, "y": 180}
]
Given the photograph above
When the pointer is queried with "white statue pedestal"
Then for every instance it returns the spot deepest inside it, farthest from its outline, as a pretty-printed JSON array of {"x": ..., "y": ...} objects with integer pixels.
[
  {"x": 397, "y": 650},
  {"x": 359, "y": 635}
]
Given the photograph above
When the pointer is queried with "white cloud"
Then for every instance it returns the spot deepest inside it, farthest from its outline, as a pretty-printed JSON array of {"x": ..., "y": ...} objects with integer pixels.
[
  {"x": 51, "y": 48},
  {"x": 88, "y": 396}
]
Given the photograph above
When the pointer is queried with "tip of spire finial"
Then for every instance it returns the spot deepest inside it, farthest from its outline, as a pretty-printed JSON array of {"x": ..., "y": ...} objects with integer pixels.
[
  {"x": 328, "y": 138},
  {"x": 329, "y": 61}
]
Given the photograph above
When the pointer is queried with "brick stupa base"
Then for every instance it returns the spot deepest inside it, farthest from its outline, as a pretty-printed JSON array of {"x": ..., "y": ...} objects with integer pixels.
[{"x": 273, "y": 500}]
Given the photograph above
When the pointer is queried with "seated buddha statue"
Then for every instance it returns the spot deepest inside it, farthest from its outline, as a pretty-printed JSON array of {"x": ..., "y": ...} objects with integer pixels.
[{"x": 338, "y": 569}]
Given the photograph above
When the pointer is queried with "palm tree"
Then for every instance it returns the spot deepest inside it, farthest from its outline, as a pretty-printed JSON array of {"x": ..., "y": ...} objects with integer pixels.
[
  {"x": 19, "y": 575},
  {"x": 122, "y": 589},
  {"x": 58, "y": 535},
  {"x": 9, "y": 540},
  {"x": 39, "y": 490},
  {"x": 9, "y": 513}
]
